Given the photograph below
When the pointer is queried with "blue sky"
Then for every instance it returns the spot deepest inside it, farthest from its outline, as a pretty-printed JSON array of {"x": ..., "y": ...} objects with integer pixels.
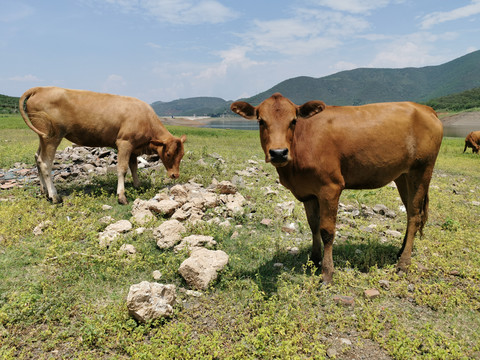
[{"x": 169, "y": 49}]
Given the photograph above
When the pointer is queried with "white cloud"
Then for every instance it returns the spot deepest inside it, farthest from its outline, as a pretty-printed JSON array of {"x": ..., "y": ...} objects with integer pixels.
[
  {"x": 354, "y": 6},
  {"x": 13, "y": 11},
  {"x": 114, "y": 84},
  {"x": 177, "y": 11},
  {"x": 25, "y": 78},
  {"x": 438, "y": 17},
  {"x": 235, "y": 57},
  {"x": 413, "y": 50},
  {"x": 308, "y": 32},
  {"x": 153, "y": 45}
]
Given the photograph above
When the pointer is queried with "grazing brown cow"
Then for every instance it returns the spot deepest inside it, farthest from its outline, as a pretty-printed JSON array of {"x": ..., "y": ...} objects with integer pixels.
[
  {"x": 473, "y": 141},
  {"x": 320, "y": 150},
  {"x": 93, "y": 119}
]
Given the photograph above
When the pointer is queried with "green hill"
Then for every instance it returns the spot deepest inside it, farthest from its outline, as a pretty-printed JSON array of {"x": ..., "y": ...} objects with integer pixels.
[
  {"x": 361, "y": 86},
  {"x": 199, "y": 106},
  {"x": 466, "y": 100},
  {"x": 8, "y": 104}
]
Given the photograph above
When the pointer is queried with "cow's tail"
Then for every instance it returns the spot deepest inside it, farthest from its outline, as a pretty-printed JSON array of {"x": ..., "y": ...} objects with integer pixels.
[
  {"x": 22, "y": 107},
  {"x": 424, "y": 217},
  {"x": 465, "y": 148}
]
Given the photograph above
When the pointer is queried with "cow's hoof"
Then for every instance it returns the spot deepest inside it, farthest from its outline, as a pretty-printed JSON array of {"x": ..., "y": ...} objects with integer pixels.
[
  {"x": 122, "y": 200},
  {"x": 57, "y": 199}
]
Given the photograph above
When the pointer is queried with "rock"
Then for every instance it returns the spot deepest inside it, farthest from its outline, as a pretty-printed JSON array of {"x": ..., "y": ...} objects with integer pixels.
[
  {"x": 226, "y": 187},
  {"x": 476, "y": 203},
  {"x": 285, "y": 209},
  {"x": 168, "y": 233},
  {"x": 128, "y": 249},
  {"x": 266, "y": 222},
  {"x": 344, "y": 300},
  {"x": 195, "y": 241},
  {"x": 393, "y": 233},
  {"x": 142, "y": 216},
  {"x": 121, "y": 226},
  {"x": 106, "y": 207},
  {"x": 164, "y": 207},
  {"x": 202, "y": 267},
  {"x": 180, "y": 193},
  {"x": 371, "y": 293},
  {"x": 149, "y": 301},
  {"x": 38, "y": 230},
  {"x": 385, "y": 284},
  {"x": 293, "y": 250},
  {"x": 106, "y": 220},
  {"x": 332, "y": 353},
  {"x": 157, "y": 275}
]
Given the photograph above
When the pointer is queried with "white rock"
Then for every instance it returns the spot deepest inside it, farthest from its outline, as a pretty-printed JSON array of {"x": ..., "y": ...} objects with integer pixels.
[
  {"x": 195, "y": 241},
  {"x": 149, "y": 301},
  {"x": 202, "y": 267},
  {"x": 168, "y": 233}
]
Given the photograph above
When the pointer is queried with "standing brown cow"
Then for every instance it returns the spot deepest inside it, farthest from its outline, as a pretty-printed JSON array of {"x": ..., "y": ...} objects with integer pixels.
[
  {"x": 93, "y": 119},
  {"x": 473, "y": 141},
  {"x": 320, "y": 150}
]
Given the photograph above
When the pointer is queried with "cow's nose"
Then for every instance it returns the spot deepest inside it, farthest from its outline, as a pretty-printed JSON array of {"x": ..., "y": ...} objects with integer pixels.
[{"x": 278, "y": 155}]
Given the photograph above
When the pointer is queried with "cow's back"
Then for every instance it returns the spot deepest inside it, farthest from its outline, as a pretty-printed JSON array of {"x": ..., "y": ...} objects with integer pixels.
[
  {"x": 366, "y": 144},
  {"x": 88, "y": 118}
]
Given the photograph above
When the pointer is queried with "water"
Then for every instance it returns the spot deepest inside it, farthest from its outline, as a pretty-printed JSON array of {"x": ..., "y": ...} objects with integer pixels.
[
  {"x": 455, "y": 130},
  {"x": 236, "y": 124}
]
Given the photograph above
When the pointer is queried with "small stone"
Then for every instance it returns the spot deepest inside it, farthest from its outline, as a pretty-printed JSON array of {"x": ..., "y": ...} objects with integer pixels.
[
  {"x": 332, "y": 353},
  {"x": 411, "y": 288},
  {"x": 121, "y": 226},
  {"x": 344, "y": 300},
  {"x": 293, "y": 250},
  {"x": 278, "y": 265},
  {"x": 393, "y": 233},
  {"x": 266, "y": 222},
  {"x": 128, "y": 249},
  {"x": 385, "y": 284},
  {"x": 157, "y": 275},
  {"x": 371, "y": 293},
  {"x": 106, "y": 207}
]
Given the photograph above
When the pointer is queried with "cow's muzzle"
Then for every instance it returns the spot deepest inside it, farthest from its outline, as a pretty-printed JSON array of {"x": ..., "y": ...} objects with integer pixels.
[{"x": 278, "y": 157}]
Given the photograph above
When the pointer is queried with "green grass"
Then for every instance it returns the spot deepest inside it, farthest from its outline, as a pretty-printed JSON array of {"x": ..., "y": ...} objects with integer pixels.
[{"x": 63, "y": 296}]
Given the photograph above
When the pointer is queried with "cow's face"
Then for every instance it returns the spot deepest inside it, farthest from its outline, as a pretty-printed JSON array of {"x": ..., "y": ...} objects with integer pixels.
[
  {"x": 277, "y": 117},
  {"x": 171, "y": 153}
]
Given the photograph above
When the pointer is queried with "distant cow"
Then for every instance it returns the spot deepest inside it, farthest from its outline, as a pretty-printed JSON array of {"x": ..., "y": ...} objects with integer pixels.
[
  {"x": 320, "y": 150},
  {"x": 473, "y": 141},
  {"x": 93, "y": 119}
]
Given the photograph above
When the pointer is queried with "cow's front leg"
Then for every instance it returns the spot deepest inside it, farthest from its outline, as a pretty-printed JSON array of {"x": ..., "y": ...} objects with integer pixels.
[
  {"x": 123, "y": 158},
  {"x": 328, "y": 205}
]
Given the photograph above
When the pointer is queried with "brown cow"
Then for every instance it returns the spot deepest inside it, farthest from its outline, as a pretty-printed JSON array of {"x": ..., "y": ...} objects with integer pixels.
[
  {"x": 93, "y": 119},
  {"x": 473, "y": 141},
  {"x": 320, "y": 150}
]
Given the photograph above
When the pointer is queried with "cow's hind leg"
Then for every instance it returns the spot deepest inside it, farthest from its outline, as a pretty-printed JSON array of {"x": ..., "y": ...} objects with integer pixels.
[
  {"x": 123, "y": 159},
  {"x": 44, "y": 158},
  {"x": 313, "y": 216},
  {"x": 417, "y": 182},
  {"x": 133, "y": 164}
]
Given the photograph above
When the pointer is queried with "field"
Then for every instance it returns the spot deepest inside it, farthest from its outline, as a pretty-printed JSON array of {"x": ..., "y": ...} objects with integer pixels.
[{"x": 63, "y": 296}]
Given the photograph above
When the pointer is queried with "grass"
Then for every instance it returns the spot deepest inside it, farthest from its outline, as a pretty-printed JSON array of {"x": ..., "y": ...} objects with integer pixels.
[{"x": 63, "y": 296}]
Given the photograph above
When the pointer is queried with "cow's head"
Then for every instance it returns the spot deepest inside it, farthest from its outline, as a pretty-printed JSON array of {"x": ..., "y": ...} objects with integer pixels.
[
  {"x": 277, "y": 117},
  {"x": 171, "y": 153}
]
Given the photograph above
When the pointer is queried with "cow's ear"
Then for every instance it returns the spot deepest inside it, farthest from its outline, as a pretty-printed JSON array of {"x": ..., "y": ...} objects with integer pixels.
[
  {"x": 244, "y": 109},
  {"x": 311, "y": 108},
  {"x": 183, "y": 138},
  {"x": 157, "y": 142}
]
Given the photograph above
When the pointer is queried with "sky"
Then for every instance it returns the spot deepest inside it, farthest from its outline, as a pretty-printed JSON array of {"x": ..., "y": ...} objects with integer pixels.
[{"x": 162, "y": 50}]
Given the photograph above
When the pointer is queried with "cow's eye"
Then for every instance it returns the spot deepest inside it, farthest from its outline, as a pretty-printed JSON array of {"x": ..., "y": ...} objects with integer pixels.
[
  {"x": 261, "y": 122},
  {"x": 293, "y": 123}
]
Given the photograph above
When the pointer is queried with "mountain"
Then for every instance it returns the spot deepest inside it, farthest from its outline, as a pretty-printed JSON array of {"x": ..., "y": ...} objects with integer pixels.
[
  {"x": 8, "y": 104},
  {"x": 468, "y": 99},
  {"x": 367, "y": 85},
  {"x": 354, "y": 87},
  {"x": 199, "y": 106}
]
